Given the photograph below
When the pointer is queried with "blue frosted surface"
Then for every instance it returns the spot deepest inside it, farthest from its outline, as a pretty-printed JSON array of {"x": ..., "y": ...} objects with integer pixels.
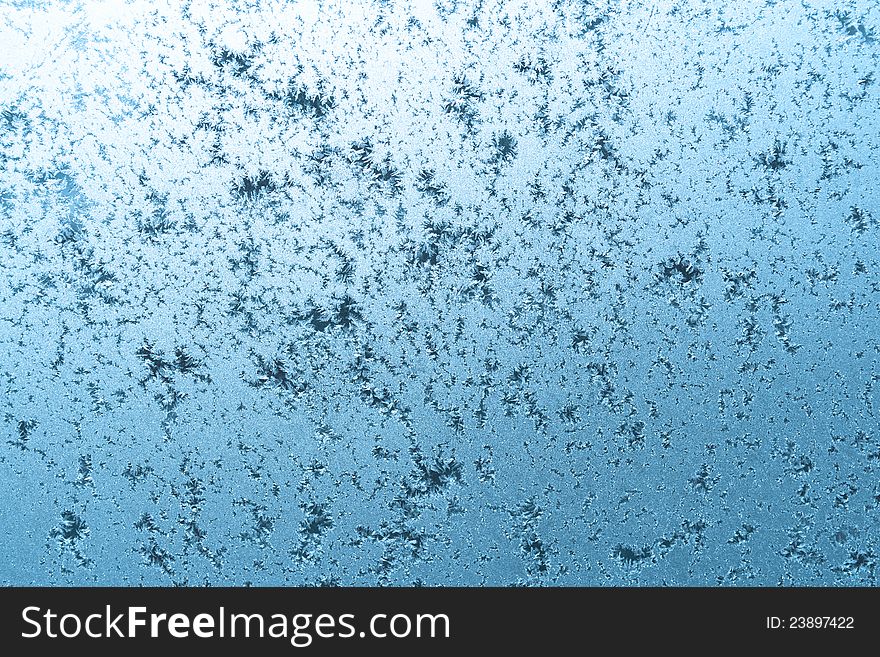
[{"x": 441, "y": 293}]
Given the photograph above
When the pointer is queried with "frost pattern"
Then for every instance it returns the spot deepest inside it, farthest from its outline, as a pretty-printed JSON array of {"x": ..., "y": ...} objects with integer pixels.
[{"x": 444, "y": 293}]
